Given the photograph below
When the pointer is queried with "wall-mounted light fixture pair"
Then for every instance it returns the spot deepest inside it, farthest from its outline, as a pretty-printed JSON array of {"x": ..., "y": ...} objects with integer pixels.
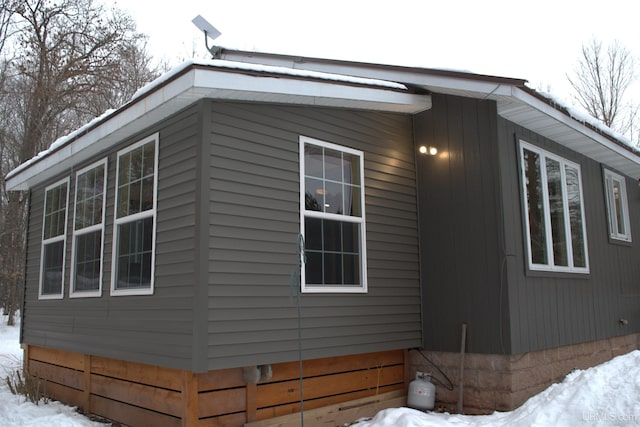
[{"x": 429, "y": 150}]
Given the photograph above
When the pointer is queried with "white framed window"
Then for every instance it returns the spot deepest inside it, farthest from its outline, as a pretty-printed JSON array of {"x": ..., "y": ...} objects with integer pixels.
[
  {"x": 88, "y": 231},
  {"x": 617, "y": 206},
  {"x": 54, "y": 230},
  {"x": 554, "y": 211},
  {"x": 134, "y": 230},
  {"x": 332, "y": 217}
]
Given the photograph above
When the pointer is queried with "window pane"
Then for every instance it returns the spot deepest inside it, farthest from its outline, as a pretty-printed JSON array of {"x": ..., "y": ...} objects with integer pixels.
[
  {"x": 89, "y": 198},
  {"x": 96, "y": 209},
  {"x": 313, "y": 163},
  {"x": 136, "y": 180},
  {"x": 87, "y": 268},
  {"x": 332, "y": 269},
  {"x": 617, "y": 203},
  {"x": 556, "y": 210},
  {"x": 81, "y": 213},
  {"x": 333, "y": 202},
  {"x": 313, "y": 268},
  {"x": 351, "y": 169},
  {"x": 329, "y": 175},
  {"x": 147, "y": 194},
  {"x": 55, "y": 211},
  {"x": 313, "y": 234},
  {"x": 352, "y": 201},
  {"x": 123, "y": 201},
  {"x": 148, "y": 162},
  {"x": 52, "y": 268},
  {"x": 333, "y": 165},
  {"x": 136, "y": 164},
  {"x": 575, "y": 217},
  {"x": 134, "y": 254},
  {"x": 314, "y": 194},
  {"x": 533, "y": 185},
  {"x": 351, "y": 267},
  {"x": 332, "y": 235},
  {"x": 350, "y": 237},
  {"x": 134, "y": 197},
  {"x": 332, "y": 252},
  {"x": 124, "y": 168}
]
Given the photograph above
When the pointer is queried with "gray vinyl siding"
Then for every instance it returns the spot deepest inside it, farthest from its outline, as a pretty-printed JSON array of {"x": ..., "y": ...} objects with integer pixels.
[
  {"x": 254, "y": 224},
  {"x": 550, "y": 310},
  {"x": 462, "y": 255},
  {"x": 155, "y": 329}
]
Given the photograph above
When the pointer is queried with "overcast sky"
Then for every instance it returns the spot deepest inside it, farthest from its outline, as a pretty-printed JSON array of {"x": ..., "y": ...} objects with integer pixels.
[{"x": 537, "y": 40}]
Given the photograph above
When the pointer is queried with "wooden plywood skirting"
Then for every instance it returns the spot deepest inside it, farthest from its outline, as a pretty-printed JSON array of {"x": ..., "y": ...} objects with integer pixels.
[
  {"x": 329, "y": 381},
  {"x": 338, "y": 414},
  {"x": 136, "y": 394}
]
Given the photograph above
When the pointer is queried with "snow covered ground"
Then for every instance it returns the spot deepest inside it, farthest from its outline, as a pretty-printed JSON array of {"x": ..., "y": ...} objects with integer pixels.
[
  {"x": 15, "y": 410},
  {"x": 606, "y": 395}
]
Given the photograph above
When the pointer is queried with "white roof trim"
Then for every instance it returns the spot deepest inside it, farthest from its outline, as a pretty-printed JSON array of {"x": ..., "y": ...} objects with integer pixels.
[
  {"x": 217, "y": 80},
  {"x": 514, "y": 103},
  {"x": 534, "y": 114}
]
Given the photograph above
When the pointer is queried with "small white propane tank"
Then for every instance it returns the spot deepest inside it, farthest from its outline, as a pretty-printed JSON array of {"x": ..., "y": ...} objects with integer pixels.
[{"x": 422, "y": 392}]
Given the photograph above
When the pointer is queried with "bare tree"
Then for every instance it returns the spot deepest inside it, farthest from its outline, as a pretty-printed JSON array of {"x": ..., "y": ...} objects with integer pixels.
[
  {"x": 601, "y": 79},
  {"x": 73, "y": 60}
]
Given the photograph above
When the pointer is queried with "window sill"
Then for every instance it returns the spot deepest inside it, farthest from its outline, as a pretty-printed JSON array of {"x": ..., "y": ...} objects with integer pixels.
[
  {"x": 334, "y": 289},
  {"x": 559, "y": 274},
  {"x": 620, "y": 242},
  {"x": 46, "y": 297},
  {"x": 80, "y": 294},
  {"x": 128, "y": 292}
]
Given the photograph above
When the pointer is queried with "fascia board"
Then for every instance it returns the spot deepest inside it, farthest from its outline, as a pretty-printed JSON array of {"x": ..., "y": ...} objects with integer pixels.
[
  {"x": 198, "y": 83},
  {"x": 433, "y": 83},
  {"x": 573, "y": 124},
  {"x": 110, "y": 131},
  {"x": 447, "y": 82},
  {"x": 232, "y": 85}
]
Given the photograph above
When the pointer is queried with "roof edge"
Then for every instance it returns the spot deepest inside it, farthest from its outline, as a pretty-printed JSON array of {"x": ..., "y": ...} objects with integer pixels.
[
  {"x": 400, "y": 96},
  {"x": 250, "y": 56},
  {"x": 602, "y": 130}
]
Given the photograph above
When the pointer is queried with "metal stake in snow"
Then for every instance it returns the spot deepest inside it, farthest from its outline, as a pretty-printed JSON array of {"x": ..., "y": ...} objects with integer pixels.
[
  {"x": 463, "y": 343},
  {"x": 210, "y": 32}
]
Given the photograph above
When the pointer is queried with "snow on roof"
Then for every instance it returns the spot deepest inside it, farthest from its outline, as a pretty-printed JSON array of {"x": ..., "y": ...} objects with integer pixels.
[
  {"x": 60, "y": 142},
  {"x": 305, "y": 74},
  {"x": 214, "y": 63},
  {"x": 585, "y": 118},
  {"x": 244, "y": 66}
]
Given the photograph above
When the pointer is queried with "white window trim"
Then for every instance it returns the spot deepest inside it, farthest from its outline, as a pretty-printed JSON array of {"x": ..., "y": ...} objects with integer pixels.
[
  {"x": 331, "y": 216},
  {"x": 609, "y": 178},
  {"x": 86, "y": 230},
  {"x": 130, "y": 218},
  {"x": 62, "y": 238},
  {"x": 547, "y": 218}
]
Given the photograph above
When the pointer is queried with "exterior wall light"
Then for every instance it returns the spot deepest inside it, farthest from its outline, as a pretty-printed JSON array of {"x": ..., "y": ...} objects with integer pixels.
[{"x": 429, "y": 150}]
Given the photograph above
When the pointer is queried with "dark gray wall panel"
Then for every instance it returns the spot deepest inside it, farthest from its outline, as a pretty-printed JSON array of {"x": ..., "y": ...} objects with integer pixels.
[
  {"x": 254, "y": 223},
  {"x": 156, "y": 329},
  {"x": 227, "y": 226},
  {"x": 460, "y": 226},
  {"x": 554, "y": 310}
]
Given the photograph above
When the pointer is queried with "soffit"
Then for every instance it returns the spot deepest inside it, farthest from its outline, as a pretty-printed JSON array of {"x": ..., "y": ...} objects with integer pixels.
[{"x": 535, "y": 114}]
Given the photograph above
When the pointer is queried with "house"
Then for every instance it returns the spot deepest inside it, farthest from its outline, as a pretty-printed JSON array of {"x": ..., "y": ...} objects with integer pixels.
[{"x": 167, "y": 283}]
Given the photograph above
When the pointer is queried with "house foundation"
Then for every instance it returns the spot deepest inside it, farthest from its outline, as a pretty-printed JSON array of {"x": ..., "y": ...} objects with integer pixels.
[
  {"x": 494, "y": 382},
  {"x": 334, "y": 390}
]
